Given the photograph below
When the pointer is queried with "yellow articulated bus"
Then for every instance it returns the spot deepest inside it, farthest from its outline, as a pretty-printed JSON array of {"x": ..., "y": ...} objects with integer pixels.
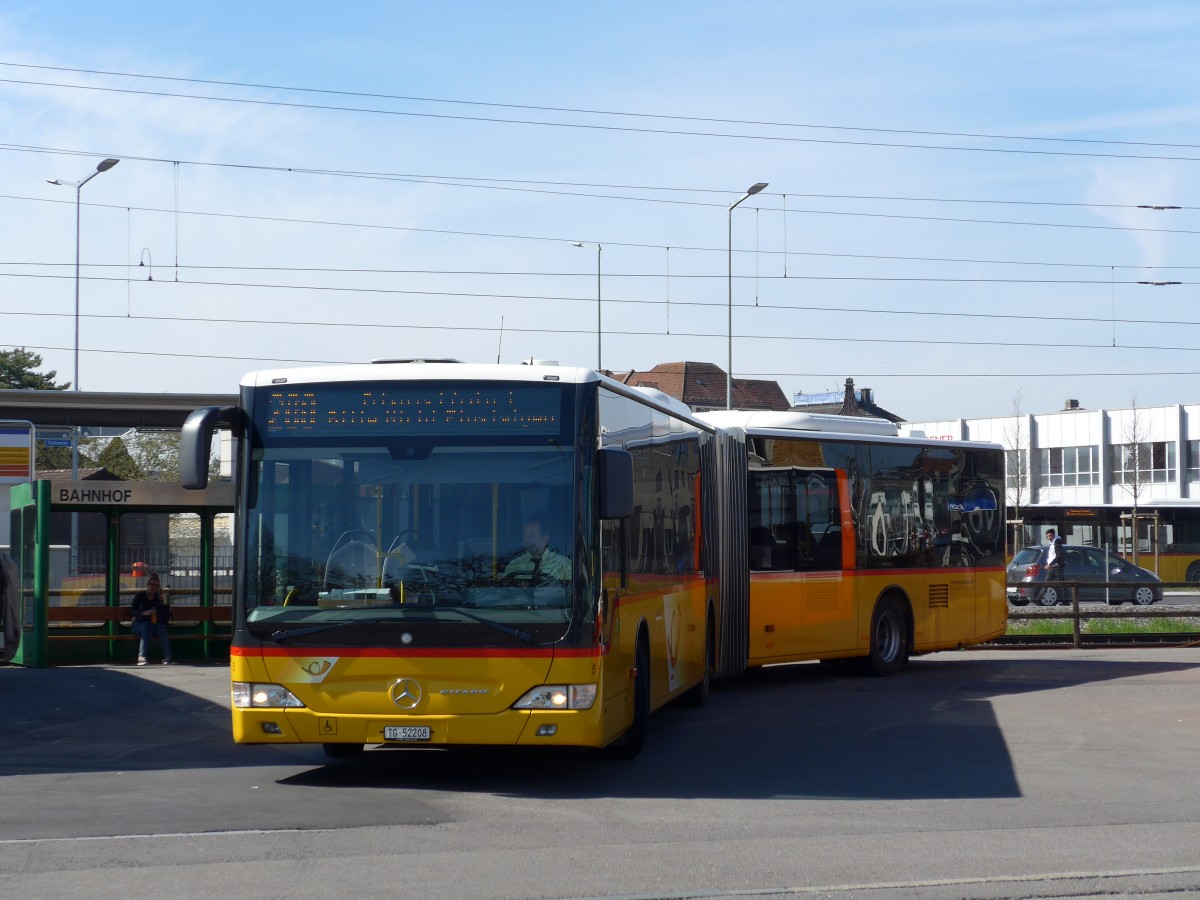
[
  {"x": 864, "y": 545},
  {"x": 436, "y": 553}
]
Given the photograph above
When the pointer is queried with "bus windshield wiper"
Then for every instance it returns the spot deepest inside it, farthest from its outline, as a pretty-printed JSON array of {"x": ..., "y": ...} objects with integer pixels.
[
  {"x": 499, "y": 626},
  {"x": 284, "y": 634}
]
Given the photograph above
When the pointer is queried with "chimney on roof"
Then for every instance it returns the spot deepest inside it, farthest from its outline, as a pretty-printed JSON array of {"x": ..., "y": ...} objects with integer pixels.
[
  {"x": 865, "y": 393},
  {"x": 849, "y": 404}
]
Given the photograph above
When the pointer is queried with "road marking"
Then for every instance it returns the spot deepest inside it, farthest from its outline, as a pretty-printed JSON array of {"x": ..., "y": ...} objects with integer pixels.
[
  {"x": 902, "y": 885},
  {"x": 176, "y": 834}
]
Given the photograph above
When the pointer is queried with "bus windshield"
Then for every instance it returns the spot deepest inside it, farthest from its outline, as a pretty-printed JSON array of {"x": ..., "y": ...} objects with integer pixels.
[{"x": 452, "y": 532}]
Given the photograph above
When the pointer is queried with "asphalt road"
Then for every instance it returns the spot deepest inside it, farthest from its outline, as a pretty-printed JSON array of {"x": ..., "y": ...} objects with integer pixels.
[{"x": 970, "y": 774}]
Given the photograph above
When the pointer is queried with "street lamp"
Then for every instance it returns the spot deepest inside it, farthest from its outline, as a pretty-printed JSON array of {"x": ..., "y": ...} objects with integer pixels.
[
  {"x": 103, "y": 166},
  {"x": 750, "y": 192},
  {"x": 599, "y": 249}
]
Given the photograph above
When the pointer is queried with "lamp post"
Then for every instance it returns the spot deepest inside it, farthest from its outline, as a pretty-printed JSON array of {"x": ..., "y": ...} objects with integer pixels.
[
  {"x": 750, "y": 192},
  {"x": 103, "y": 166},
  {"x": 599, "y": 250}
]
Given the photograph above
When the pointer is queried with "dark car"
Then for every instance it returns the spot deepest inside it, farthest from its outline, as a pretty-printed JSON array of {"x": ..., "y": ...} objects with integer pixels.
[{"x": 1082, "y": 564}]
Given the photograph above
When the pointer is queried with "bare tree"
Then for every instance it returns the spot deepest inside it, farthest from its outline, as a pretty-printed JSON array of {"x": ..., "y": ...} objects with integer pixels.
[
  {"x": 1134, "y": 463},
  {"x": 1017, "y": 492}
]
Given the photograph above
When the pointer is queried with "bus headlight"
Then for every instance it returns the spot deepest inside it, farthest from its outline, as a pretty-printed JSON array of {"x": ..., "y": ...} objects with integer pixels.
[
  {"x": 558, "y": 696},
  {"x": 247, "y": 695}
]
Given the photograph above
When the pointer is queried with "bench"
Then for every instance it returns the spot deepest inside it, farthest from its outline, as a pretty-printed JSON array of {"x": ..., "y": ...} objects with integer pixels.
[{"x": 88, "y": 623}]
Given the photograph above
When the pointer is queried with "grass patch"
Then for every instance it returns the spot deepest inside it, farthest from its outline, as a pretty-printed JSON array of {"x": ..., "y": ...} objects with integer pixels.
[
  {"x": 1104, "y": 626},
  {"x": 1039, "y": 626},
  {"x": 1140, "y": 626}
]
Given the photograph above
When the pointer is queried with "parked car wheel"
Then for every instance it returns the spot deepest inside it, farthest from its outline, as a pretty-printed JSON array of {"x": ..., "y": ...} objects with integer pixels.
[
  {"x": 1144, "y": 595},
  {"x": 1050, "y": 596}
]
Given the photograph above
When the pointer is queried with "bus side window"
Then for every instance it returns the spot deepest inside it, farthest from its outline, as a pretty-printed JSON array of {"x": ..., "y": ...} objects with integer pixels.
[
  {"x": 819, "y": 517},
  {"x": 829, "y": 549}
]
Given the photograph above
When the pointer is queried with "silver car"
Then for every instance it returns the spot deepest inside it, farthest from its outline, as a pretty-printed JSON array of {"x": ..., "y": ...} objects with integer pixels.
[{"x": 1027, "y": 582}]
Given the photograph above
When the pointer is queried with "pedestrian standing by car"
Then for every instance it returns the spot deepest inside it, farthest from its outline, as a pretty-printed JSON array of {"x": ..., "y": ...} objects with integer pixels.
[
  {"x": 150, "y": 617},
  {"x": 1055, "y": 557}
]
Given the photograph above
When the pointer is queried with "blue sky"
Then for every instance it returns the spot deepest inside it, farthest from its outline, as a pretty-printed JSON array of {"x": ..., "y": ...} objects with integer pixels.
[{"x": 951, "y": 218}]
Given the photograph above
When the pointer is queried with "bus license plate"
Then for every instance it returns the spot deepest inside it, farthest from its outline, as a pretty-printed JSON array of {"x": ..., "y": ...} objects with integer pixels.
[{"x": 406, "y": 733}]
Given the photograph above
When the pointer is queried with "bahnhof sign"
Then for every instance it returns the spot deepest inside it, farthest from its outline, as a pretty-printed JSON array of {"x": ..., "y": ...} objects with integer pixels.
[{"x": 83, "y": 548}]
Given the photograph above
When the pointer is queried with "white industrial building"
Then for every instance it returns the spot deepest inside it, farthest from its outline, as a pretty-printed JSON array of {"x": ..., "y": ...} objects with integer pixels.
[{"x": 1087, "y": 471}]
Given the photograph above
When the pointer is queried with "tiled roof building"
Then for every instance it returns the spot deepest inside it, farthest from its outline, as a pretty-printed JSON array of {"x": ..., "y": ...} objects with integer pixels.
[{"x": 703, "y": 386}]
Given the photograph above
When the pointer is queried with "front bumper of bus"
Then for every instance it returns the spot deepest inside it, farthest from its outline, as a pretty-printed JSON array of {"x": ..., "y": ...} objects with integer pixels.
[
  {"x": 423, "y": 701},
  {"x": 284, "y": 725}
]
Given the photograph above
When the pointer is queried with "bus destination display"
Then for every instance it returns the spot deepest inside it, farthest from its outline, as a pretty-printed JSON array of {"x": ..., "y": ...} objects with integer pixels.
[{"x": 412, "y": 410}]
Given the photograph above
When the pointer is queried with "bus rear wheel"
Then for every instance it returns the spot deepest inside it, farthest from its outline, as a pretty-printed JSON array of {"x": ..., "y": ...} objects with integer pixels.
[
  {"x": 630, "y": 744},
  {"x": 889, "y": 638}
]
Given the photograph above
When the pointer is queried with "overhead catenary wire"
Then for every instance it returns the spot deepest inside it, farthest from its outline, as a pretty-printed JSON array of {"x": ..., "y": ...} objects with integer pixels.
[
  {"x": 684, "y": 276},
  {"x": 642, "y": 245},
  {"x": 375, "y": 270},
  {"x": 639, "y": 332},
  {"x": 922, "y": 375},
  {"x": 508, "y": 184},
  {"x": 543, "y": 108},
  {"x": 923, "y": 279},
  {"x": 592, "y": 126}
]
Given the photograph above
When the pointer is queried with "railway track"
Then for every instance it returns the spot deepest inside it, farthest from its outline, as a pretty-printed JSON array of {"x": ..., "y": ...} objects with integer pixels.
[{"x": 1147, "y": 639}]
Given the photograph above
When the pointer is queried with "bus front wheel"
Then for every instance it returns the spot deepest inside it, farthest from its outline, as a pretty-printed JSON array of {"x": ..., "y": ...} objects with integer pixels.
[{"x": 629, "y": 745}]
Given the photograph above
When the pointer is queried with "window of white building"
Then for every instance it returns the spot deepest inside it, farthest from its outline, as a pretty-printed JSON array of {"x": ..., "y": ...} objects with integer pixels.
[
  {"x": 1193, "y": 460},
  {"x": 1069, "y": 466},
  {"x": 1150, "y": 463}
]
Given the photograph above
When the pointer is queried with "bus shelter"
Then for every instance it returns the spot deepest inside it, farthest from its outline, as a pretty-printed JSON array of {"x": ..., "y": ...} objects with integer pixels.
[{"x": 82, "y": 550}]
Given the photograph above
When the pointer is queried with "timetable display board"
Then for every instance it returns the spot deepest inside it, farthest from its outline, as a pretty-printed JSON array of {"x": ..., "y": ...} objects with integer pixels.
[
  {"x": 16, "y": 452},
  {"x": 410, "y": 410}
]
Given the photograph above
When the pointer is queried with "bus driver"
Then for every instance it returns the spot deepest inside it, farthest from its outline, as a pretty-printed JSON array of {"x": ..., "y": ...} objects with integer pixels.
[{"x": 537, "y": 563}]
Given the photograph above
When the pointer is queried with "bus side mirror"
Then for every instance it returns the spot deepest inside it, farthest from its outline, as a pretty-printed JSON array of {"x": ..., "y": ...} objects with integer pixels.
[
  {"x": 195, "y": 442},
  {"x": 614, "y": 468}
]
